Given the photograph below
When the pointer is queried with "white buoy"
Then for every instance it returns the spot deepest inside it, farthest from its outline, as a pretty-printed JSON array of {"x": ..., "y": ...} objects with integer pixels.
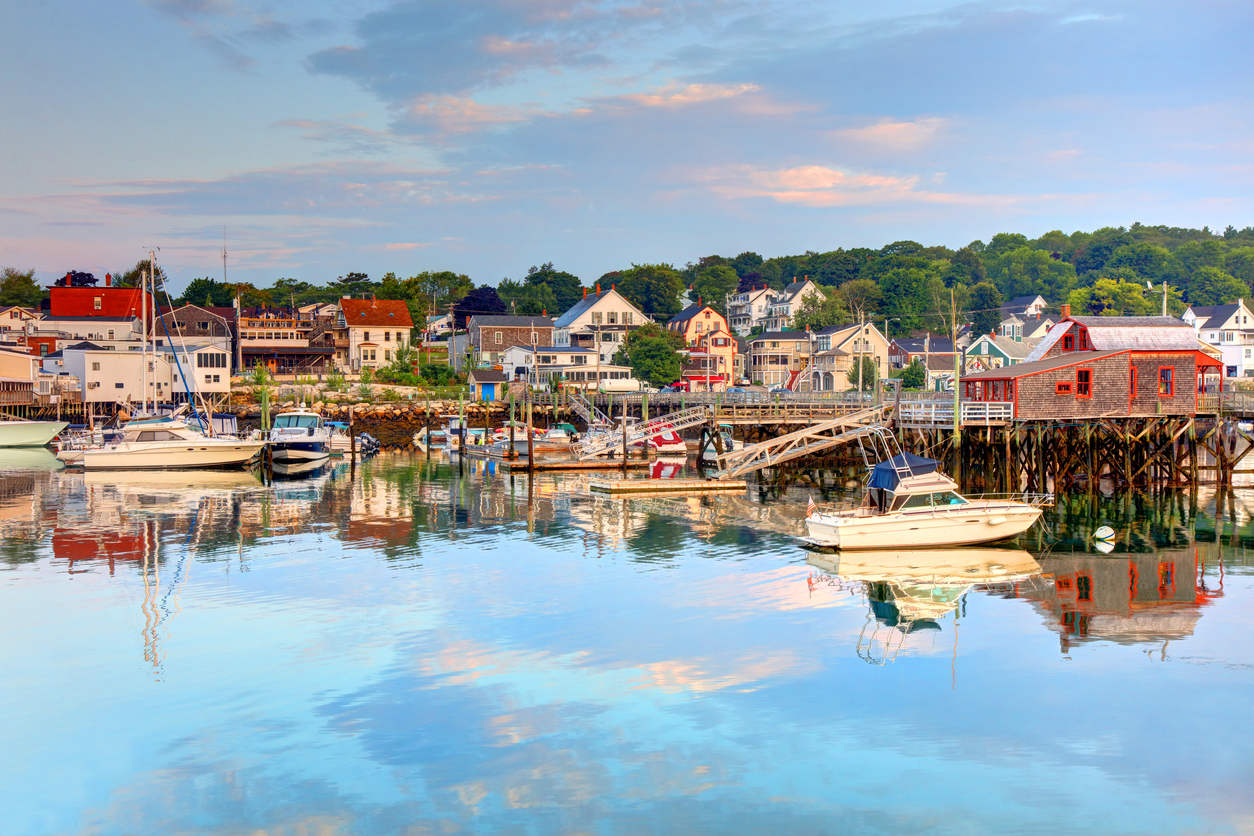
[
  {"x": 1104, "y": 546},
  {"x": 1104, "y": 533}
]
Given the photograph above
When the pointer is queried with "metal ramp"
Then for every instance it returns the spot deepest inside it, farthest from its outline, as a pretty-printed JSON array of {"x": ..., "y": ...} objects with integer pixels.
[
  {"x": 805, "y": 442},
  {"x": 587, "y": 410},
  {"x": 603, "y": 443}
]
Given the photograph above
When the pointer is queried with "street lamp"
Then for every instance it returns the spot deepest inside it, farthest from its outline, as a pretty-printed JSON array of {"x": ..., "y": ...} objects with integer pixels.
[{"x": 887, "y": 335}]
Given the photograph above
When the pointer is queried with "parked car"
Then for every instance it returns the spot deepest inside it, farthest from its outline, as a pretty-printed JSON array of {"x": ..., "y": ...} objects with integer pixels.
[
  {"x": 736, "y": 390},
  {"x": 670, "y": 390},
  {"x": 781, "y": 390}
]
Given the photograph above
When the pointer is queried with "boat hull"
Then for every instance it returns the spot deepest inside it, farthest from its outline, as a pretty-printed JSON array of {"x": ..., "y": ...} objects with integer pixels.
[
  {"x": 300, "y": 451},
  {"x": 159, "y": 456},
  {"x": 972, "y": 525},
  {"x": 29, "y": 433}
]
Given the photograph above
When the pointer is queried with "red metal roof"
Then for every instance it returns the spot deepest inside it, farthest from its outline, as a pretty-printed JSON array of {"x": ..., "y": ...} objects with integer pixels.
[{"x": 376, "y": 312}]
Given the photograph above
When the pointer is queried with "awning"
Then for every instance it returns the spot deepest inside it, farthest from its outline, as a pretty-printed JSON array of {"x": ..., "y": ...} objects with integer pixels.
[{"x": 885, "y": 475}]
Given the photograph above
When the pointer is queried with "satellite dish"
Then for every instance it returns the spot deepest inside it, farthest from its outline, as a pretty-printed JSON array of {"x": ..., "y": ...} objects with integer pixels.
[{"x": 1148, "y": 286}]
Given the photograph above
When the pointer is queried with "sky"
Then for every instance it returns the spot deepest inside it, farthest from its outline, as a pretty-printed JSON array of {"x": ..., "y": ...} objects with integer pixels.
[{"x": 487, "y": 136}]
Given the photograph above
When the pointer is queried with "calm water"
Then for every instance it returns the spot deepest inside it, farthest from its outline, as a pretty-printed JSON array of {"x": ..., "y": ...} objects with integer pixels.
[{"x": 410, "y": 650}]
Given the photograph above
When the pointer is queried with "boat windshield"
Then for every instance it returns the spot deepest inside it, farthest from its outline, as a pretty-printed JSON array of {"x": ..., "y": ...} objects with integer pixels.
[
  {"x": 282, "y": 422},
  {"x": 939, "y": 499},
  {"x": 154, "y": 435}
]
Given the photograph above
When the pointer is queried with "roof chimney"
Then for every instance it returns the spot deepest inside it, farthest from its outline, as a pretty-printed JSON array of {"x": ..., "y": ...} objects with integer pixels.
[
  {"x": 1066, "y": 311},
  {"x": 108, "y": 280},
  {"x": 544, "y": 312},
  {"x": 598, "y": 288},
  {"x": 585, "y": 293}
]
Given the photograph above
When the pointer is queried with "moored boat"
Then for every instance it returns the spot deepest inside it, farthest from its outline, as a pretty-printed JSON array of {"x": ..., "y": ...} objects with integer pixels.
[
  {"x": 29, "y": 433},
  {"x": 299, "y": 435},
  {"x": 169, "y": 444},
  {"x": 908, "y": 504}
]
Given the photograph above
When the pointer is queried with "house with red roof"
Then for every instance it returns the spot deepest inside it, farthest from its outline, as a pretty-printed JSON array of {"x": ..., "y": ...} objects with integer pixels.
[{"x": 375, "y": 328}]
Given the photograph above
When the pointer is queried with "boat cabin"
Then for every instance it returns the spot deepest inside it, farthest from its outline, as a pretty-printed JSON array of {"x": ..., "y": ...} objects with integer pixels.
[{"x": 906, "y": 482}]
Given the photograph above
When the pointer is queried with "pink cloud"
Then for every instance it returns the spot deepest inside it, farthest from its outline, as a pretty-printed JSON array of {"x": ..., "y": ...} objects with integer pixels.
[
  {"x": 821, "y": 186},
  {"x": 896, "y": 136}
]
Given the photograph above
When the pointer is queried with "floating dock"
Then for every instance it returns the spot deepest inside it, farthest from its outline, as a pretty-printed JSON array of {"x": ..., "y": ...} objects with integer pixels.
[{"x": 662, "y": 486}]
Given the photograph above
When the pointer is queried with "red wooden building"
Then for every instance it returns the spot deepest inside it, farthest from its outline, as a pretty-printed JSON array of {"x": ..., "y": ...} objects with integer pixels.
[
  {"x": 1105, "y": 367},
  {"x": 98, "y": 301}
]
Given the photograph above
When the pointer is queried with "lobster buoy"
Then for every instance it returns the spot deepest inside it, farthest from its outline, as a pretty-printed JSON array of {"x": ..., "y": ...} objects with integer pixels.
[{"x": 1104, "y": 533}]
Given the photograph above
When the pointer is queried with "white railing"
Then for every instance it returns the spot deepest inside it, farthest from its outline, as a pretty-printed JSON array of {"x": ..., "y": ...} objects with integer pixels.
[{"x": 937, "y": 412}]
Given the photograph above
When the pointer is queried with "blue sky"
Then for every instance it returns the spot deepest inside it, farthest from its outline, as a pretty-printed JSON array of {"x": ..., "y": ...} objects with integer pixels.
[{"x": 485, "y": 136}]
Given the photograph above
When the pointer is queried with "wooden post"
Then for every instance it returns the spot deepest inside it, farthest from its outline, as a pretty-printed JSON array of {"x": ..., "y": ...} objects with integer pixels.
[
  {"x": 624, "y": 434},
  {"x": 513, "y": 454},
  {"x": 531, "y": 445},
  {"x": 426, "y": 417}
]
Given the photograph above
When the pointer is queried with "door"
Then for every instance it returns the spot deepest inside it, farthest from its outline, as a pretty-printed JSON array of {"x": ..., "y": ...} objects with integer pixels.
[{"x": 489, "y": 392}]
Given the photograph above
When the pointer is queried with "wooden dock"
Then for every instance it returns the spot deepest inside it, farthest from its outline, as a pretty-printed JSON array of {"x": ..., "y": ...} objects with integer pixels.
[{"x": 653, "y": 487}]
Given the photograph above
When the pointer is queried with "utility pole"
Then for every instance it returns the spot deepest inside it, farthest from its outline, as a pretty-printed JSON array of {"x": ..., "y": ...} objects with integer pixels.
[
  {"x": 858, "y": 346},
  {"x": 953, "y": 312}
]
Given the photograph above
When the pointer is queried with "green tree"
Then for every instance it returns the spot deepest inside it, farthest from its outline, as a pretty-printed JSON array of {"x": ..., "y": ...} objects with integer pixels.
[
  {"x": 652, "y": 352},
  {"x": 1240, "y": 263},
  {"x": 653, "y": 288},
  {"x": 208, "y": 293},
  {"x": 713, "y": 285},
  {"x": 914, "y": 376},
  {"x": 870, "y": 372},
  {"x": 1024, "y": 272},
  {"x": 817, "y": 312},
  {"x": 861, "y": 297},
  {"x": 18, "y": 287},
  {"x": 133, "y": 276},
  {"x": 985, "y": 308},
  {"x": 1212, "y": 286},
  {"x": 565, "y": 287},
  {"x": 1112, "y": 297}
]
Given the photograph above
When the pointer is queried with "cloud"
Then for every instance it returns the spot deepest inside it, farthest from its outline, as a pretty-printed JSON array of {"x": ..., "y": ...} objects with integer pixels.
[
  {"x": 224, "y": 27},
  {"x": 896, "y": 136},
  {"x": 821, "y": 186},
  {"x": 690, "y": 94},
  {"x": 406, "y": 246},
  {"x": 346, "y": 137},
  {"x": 450, "y": 115}
]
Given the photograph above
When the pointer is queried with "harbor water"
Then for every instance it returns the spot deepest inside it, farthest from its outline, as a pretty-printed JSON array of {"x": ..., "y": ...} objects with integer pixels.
[{"x": 406, "y": 647}]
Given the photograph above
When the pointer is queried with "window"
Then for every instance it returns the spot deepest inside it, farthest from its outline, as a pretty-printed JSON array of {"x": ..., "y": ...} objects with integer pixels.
[
  {"x": 1062, "y": 388},
  {"x": 208, "y": 378},
  {"x": 387, "y": 336},
  {"x": 217, "y": 378},
  {"x": 996, "y": 390},
  {"x": 1010, "y": 390},
  {"x": 500, "y": 338},
  {"x": 535, "y": 338},
  {"x": 612, "y": 318},
  {"x": 110, "y": 335},
  {"x": 1132, "y": 383},
  {"x": 98, "y": 303},
  {"x": 387, "y": 355},
  {"x": 1166, "y": 381},
  {"x": 365, "y": 336},
  {"x": 1084, "y": 383},
  {"x": 596, "y": 317},
  {"x": 117, "y": 386},
  {"x": 95, "y": 367},
  {"x": 1083, "y": 587},
  {"x": 1068, "y": 342},
  {"x": 1084, "y": 340}
]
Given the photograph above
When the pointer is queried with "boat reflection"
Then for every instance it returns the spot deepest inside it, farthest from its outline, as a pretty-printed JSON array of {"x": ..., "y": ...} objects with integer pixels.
[
  {"x": 911, "y": 591},
  {"x": 29, "y": 458}
]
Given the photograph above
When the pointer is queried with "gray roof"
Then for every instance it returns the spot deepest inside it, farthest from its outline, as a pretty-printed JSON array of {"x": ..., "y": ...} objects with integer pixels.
[
  {"x": 1138, "y": 333},
  {"x": 1016, "y": 349},
  {"x": 83, "y": 346},
  {"x": 488, "y": 376},
  {"x": 1214, "y": 316},
  {"x": 935, "y": 345},
  {"x": 577, "y": 309},
  {"x": 1061, "y": 361},
  {"x": 505, "y": 321},
  {"x": 687, "y": 313}
]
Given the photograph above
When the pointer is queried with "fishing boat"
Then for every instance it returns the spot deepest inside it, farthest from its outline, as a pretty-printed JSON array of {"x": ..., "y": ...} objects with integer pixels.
[
  {"x": 169, "y": 444},
  {"x": 29, "y": 433},
  {"x": 909, "y": 504},
  {"x": 299, "y": 435}
]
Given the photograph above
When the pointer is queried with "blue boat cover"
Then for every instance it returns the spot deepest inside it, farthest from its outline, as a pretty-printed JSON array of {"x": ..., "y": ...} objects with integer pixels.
[{"x": 885, "y": 473}]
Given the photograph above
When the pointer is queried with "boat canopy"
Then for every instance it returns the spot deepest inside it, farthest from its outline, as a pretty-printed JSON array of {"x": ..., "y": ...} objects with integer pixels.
[{"x": 888, "y": 473}]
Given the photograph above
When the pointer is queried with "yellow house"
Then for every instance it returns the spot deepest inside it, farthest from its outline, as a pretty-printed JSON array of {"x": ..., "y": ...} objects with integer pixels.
[{"x": 705, "y": 331}]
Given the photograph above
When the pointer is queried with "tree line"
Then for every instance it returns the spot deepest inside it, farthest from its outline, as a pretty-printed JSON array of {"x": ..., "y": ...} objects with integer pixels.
[{"x": 1103, "y": 272}]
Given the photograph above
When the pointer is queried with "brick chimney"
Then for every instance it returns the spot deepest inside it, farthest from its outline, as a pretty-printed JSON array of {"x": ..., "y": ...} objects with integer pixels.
[
  {"x": 598, "y": 288},
  {"x": 1066, "y": 311},
  {"x": 108, "y": 280}
]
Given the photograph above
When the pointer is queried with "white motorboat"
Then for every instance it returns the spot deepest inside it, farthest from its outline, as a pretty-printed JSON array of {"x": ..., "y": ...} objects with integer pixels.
[
  {"x": 169, "y": 444},
  {"x": 910, "y": 505},
  {"x": 29, "y": 433},
  {"x": 730, "y": 444},
  {"x": 299, "y": 435}
]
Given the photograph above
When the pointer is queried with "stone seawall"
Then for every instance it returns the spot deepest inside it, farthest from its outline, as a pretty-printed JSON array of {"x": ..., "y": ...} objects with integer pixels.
[{"x": 394, "y": 424}]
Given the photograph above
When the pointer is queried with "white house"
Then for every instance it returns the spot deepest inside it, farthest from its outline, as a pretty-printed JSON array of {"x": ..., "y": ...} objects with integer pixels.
[
  {"x": 599, "y": 321},
  {"x": 1230, "y": 328},
  {"x": 374, "y": 327},
  {"x": 787, "y": 302},
  {"x": 748, "y": 308},
  {"x": 205, "y": 366},
  {"x": 120, "y": 333},
  {"x": 521, "y": 361},
  {"x": 107, "y": 376}
]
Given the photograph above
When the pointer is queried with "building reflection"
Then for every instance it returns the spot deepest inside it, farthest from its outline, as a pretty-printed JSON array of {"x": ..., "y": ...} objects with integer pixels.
[{"x": 1129, "y": 599}]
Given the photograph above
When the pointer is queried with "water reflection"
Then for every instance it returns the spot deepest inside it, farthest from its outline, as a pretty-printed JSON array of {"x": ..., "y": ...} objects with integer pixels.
[
  {"x": 909, "y": 591},
  {"x": 406, "y": 644}
]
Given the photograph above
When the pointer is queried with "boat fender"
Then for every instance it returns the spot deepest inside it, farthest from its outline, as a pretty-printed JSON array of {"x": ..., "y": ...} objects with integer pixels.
[
  {"x": 996, "y": 520},
  {"x": 1104, "y": 533}
]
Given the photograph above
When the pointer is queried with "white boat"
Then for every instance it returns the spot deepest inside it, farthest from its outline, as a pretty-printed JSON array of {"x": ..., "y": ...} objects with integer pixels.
[
  {"x": 299, "y": 435},
  {"x": 169, "y": 444},
  {"x": 29, "y": 433},
  {"x": 910, "y": 505},
  {"x": 729, "y": 444}
]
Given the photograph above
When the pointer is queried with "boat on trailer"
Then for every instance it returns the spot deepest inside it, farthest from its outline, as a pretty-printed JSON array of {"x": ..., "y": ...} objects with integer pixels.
[{"x": 910, "y": 504}]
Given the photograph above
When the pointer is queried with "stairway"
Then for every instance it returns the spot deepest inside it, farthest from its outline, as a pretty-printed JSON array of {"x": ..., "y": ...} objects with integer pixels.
[{"x": 602, "y": 443}]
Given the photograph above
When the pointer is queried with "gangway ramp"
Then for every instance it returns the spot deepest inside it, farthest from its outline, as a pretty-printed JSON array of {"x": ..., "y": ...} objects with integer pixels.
[
  {"x": 602, "y": 443},
  {"x": 813, "y": 439},
  {"x": 587, "y": 410}
]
